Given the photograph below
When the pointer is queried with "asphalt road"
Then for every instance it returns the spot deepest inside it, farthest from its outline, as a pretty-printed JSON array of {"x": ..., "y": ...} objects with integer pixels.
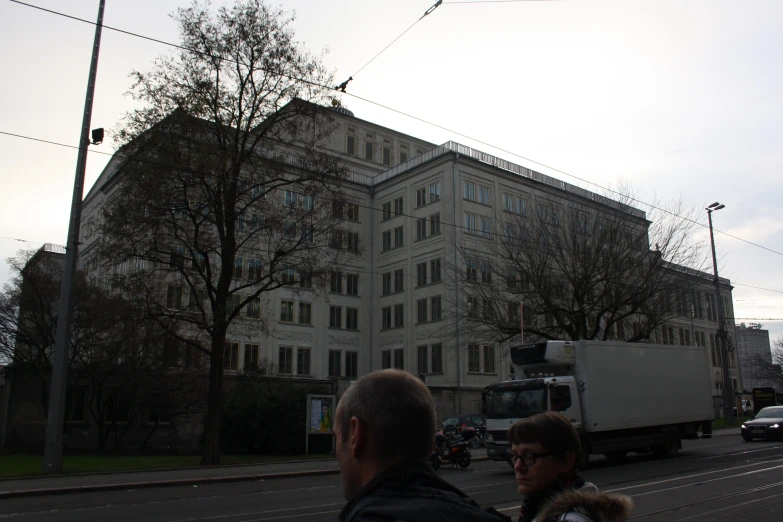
[{"x": 716, "y": 479}]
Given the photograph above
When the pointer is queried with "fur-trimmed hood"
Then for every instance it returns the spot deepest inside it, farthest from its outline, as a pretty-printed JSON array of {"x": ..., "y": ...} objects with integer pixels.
[{"x": 607, "y": 507}]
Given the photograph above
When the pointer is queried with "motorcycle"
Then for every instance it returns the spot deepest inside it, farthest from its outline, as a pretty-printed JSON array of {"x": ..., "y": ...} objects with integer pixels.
[{"x": 453, "y": 450}]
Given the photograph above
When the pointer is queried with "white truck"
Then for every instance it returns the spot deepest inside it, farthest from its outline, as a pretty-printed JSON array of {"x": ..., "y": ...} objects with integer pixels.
[{"x": 619, "y": 396}]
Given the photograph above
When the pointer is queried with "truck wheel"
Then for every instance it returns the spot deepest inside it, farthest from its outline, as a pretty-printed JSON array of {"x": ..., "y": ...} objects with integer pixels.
[
  {"x": 670, "y": 446},
  {"x": 616, "y": 455}
]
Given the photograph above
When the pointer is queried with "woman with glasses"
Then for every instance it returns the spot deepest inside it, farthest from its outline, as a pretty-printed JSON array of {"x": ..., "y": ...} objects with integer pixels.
[{"x": 545, "y": 449}]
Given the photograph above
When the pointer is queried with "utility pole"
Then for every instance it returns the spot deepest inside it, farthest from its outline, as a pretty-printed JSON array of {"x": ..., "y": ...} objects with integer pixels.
[
  {"x": 723, "y": 345},
  {"x": 53, "y": 448}
]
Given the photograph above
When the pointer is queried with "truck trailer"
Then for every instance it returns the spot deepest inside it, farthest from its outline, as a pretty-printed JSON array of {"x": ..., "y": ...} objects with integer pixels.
[{"x": 620, "y": 397}]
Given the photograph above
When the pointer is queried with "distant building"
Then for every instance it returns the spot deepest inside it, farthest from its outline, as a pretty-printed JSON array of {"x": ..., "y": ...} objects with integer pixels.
[{"x": 753, "y": 349}]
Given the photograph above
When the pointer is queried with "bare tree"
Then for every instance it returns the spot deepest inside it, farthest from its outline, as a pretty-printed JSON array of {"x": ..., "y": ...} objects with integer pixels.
[
  {"x": 225, "y": 194},
  {"x": 580, "y": 270},
  {"x": 770, "y": 369}
]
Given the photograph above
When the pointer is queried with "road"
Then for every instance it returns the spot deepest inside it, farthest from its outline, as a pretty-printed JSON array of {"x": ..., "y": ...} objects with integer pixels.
[{"x": 716, "y": 479}]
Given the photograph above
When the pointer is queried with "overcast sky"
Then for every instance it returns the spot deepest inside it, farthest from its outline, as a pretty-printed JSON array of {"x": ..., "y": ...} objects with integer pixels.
[{"x": 680, "y": 98}]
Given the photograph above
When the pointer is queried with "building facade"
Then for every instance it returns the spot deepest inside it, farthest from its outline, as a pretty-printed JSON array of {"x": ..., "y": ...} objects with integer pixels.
[
  {"x": 754, "y": 348},
  {"x": 412, "y": 203}
]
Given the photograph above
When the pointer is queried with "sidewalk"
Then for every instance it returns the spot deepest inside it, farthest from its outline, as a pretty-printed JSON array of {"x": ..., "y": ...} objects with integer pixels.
[{"x": 85, "y": 483}]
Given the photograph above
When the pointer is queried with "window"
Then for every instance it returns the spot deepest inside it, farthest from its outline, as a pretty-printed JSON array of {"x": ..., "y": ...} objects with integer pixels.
[
  {"x": 509, "y": 203},
  {"x": 233, "y": 302},
  {"x": 254, "y": 308},
  {"x": 387, "y": 152},
  {"x": 421, "y": 311},
  {"x": 337, "y": 239},
  {"x": 353, "y": 241},
  {"x": 369, "y": 147},
  {"x": 290, "y": 198},
  {"x": 522, "y": 206},
  {"x": 352, "y": 284},
  {"x": 338, "y": 209},
  {"x": 350, "y": 143},
  {"x": 712, "y": 314},
  {"x": 698, "y": 313},
  {"x": 435, "y": 224},
  {"x": 288, "y": 275},
  {"x": 336, "y": 282},
  {"x": 305, "y": 313},
  {"x": 470, "y": 223},
  {"x": 386, "y": 207},
  {"x": 398, "y": 316},
  {"x": 351, "y": 318},
  {"x": 484, "y": 195},
  {"x": 386, "y": 317},
  {"x": 240, "y": 225},
  {"x": 435, "y": 271},
  {"x": 398, "y": 207},
  {"x": 434, "y": 191},
  {"x": 685, "y": 337},
  {"x": 335, "y": 366},
  {"x": 177, "y": 257},
  {"x": 230, "y": 356},
  {"x": 352, "y": 212},
  {"x": 398, "y": 359},
  {"x": 256, "y": 222},
  {"x": 196, "y": 300},
  {"x": 421, "y": 197},
  {"x": 398, "y": 237},
  {"x": 386, "y": 286},
  {"x": 174, "y": 297},
  {"x": 437, "y": 358},
  {"x": 560, "y": 398},
  {"x": 421, "y": 361},
  {"x": 351, "y": 364},
  {"x": 421, "y": 228},
  {"x": 254, "y": 271},
  {"x": 403, "y": 153},
  {"x": 486, "y": 272},
  {"x": 303, "y": 361},
  {"x": 305, "y": 280},
  {"x": 238, "y": 267},
  {"x": 287, "y": 311},
  {"x": 386, "y": 239},
  {"x": 474, "y": 358},
  {"x": 486, "y": 227},
  {"x": 472, "y": 305},
  {"x": 513, "y": 313},
  {"x": 251, "y": 357},
  {"x": 469, "y": 191},
  {"x": 489, "y": 359},
  {"x": 285, "y": 360},
  {"x": 471, "y": 273},
  {"x": 335, "y": 317},
  {"x": 289, "y": 229},
  {"x": 435, "y": 308},
  {"x": 308, "y": 235},
  {"x": 386, "y": 359},
  {"x": 421, "y": 274},
  {"x": 398, "y": 280}
]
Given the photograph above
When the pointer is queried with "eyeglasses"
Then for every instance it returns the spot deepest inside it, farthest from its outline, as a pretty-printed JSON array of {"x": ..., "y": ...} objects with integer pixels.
[{"x": 528, "y": 459}]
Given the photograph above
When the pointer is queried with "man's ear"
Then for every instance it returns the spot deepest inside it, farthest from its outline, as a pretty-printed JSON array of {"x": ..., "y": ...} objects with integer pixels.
[{"x": 358, "y": 437}]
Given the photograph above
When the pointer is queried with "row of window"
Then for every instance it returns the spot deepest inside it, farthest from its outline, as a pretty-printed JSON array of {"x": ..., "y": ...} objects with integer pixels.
[
  {"x": 427, "y": 195},
  {"x": 481, "y": 359},
  {"x": 682, "y": 336},
  {"x": 372, "y": 143},
  {"x": 423, "y": 315}
]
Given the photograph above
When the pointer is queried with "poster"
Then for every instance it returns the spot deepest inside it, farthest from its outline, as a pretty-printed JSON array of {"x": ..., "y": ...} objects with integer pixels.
[{"x": 321, "y": 414}]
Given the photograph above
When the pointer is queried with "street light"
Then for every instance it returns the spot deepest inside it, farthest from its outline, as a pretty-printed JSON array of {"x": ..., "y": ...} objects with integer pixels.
[{"x": 728, "y": 391}]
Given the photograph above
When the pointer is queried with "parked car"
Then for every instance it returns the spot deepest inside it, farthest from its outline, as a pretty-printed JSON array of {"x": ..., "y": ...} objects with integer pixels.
[{"x": 768, "y": 424}]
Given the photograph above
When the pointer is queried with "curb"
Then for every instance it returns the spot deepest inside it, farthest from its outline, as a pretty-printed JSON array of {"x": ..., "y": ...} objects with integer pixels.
[{"x": 21, "y": 493}]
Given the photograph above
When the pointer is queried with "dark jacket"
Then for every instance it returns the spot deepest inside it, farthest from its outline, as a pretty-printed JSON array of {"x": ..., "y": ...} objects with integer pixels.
[
  {"x": 575, "y": 501},
  {"x": 412, "y": 492}
]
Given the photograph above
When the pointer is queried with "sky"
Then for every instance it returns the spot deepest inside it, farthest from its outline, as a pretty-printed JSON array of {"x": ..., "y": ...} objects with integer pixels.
[{"x": 680, "y": 99}]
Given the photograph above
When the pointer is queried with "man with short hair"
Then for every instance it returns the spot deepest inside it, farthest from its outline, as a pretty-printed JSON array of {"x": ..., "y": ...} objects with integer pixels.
[{"x": 385, "y": 426}]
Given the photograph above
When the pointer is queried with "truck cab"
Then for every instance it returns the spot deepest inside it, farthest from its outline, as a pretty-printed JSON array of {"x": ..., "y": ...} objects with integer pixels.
[{"x": 507, "y": 402}]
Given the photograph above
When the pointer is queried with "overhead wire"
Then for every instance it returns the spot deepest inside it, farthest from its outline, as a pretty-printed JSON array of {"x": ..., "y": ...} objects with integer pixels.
[{"x": 630, "y": 198}]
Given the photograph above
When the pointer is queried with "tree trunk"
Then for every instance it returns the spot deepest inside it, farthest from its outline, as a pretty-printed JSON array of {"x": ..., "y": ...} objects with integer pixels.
[{"x": 211, "y": 451}]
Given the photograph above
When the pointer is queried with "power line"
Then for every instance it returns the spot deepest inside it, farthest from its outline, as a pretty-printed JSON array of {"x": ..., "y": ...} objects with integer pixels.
[
  {"x": 20, "y": 240},
  {"x": 758, "y": 288},
  {"x": 337, "y": 89}
]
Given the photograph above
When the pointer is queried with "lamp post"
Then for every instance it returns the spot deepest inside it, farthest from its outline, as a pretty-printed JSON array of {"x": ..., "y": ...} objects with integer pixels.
[{"x": 728, "y": 389}]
